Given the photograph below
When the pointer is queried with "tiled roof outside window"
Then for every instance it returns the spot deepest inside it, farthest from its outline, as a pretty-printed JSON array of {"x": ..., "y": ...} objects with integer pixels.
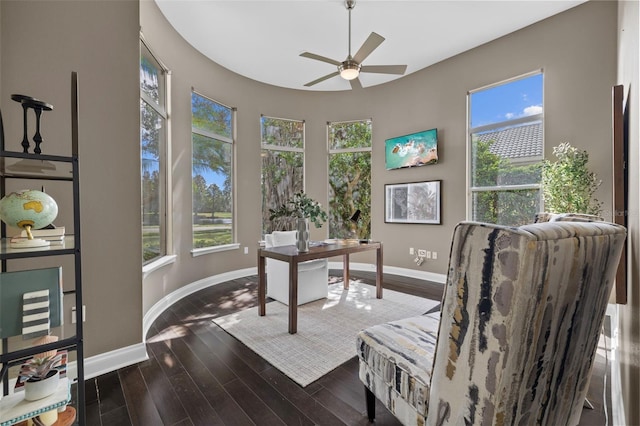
[{"x": 515, "y": 143}]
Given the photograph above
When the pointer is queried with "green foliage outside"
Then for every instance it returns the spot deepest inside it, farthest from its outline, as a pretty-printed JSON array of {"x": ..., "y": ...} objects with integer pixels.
[
  {"x": 349, "y": 176},
  {"x": 350, "y": 180},
  {"x": 282, "y": 171},
  {"x": 210, "y": 237},
  {"x": 568, "y": 185},
  {"x": 212, "y": 204},
  {"x": 511, "y": 207}
]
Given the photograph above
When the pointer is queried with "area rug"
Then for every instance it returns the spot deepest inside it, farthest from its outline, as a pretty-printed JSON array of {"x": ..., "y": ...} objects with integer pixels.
[{"x": 327, "y": 328}]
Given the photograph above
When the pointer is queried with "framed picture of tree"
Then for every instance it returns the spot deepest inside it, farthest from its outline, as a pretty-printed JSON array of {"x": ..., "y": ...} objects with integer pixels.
[{"x": 417, "y": 202}]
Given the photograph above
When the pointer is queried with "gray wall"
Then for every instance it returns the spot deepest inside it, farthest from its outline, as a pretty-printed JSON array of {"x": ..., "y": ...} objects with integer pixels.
[
  {"x": 99, "y": 39},
  {"x": 42, "y": 42},
  {"x": 576, "y": 49}
]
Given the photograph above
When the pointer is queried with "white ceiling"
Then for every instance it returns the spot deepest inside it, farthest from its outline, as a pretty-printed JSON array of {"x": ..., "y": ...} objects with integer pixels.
[{"x": 263, "y": 39}]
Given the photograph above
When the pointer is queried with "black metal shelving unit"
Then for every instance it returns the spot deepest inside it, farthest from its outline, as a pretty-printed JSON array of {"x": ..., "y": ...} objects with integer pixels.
[{"x": 71, "y": 247}]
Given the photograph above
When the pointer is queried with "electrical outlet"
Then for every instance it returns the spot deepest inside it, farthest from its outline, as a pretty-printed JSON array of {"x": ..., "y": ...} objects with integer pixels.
[
  {"x": 246, "y": 250},
  {"x": 411, "y": 251},
  {"x": 428, "y": 256},
  {"x": 434, "y": 255},
  {"x": 422, "y": 253}
]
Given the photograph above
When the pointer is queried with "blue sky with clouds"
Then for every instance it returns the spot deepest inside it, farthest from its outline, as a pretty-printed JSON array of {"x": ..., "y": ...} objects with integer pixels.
[{"x": 508, "y": 101}]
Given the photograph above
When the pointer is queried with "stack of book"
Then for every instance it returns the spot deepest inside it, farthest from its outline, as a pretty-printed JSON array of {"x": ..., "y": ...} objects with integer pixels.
[{"x": 55, "y": 236}]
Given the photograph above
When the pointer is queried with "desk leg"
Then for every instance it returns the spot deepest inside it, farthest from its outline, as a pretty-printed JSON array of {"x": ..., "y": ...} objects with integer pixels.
[
  {"x": 262, "y": 287},
  {"x": 345, "y": 271},
  {"x": 293, "y": 297},
  {"x": 379, "y": 272}
]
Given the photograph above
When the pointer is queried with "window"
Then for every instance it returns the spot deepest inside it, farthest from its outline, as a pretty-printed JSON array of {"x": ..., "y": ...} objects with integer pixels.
[
  {"x": 212, "y": 136},
  {"x": 349, "y": 179},
  {"x": 153, "y": 149},
  {"x": 282, "y": 166},
  {"x": 506, "y": 151}
]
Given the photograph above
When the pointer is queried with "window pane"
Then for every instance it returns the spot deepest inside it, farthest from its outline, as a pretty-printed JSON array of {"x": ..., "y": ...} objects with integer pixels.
[
  {"x": 356, "y": 134},
  {"x": 491, "y": 166},
  {"x": 282, "y": 167},
  {"x": 515, "y": 99},
  {"x": 151, "y": 131},
  {"x": 511, "y": 208},
  {"x": 150, "y": 77},
  {"x": 210, "y": 116},
  {"x": 212, "y": 195},
  {"x": 279, "y": 132},
  {"x": 506, "y": 151},
  {"x": 349, "y": 190},
  {"x": 282, "y": 177}
]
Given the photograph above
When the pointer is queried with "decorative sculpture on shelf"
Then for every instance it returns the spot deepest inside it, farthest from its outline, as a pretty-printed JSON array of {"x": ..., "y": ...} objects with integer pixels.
[
  {"x": 38, "y": 106},
  {"x": 28, "y": 209}
]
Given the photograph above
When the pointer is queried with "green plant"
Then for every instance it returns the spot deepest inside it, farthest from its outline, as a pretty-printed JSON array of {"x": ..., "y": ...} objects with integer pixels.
[
  {"x": 39, "y": 368},
  {"x": 300, "y": 206},
  {"x": 567, "y": 184}
]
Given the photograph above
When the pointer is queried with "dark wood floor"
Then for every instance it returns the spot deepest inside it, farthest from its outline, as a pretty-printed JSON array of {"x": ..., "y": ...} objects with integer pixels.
[{"x": 197, "y": 374}]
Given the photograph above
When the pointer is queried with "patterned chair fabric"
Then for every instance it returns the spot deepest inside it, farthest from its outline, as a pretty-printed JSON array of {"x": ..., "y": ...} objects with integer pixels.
[
  {"x": 517, "y": 335},
  {"x": 566, "y": 217}
]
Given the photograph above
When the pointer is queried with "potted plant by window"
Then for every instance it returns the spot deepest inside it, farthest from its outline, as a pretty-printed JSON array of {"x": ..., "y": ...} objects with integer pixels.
[
  {"x": 568, "y": 186},
  {"x": 43, "y": 376},
  {"x": 302, "y": 209}
]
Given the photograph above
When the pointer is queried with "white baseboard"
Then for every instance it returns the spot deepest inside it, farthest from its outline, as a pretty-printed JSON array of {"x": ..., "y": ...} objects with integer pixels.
[
  {"x": 154, "y": 312},
  {"x": 123, "y": 357},
  {"x": 109, "y": 361},
  {"x": 394, "y": 270}
]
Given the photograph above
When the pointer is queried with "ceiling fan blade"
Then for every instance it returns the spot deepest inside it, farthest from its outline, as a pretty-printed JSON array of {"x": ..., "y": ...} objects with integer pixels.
[
  {"x": 355, "y": 83},
  {"x": 320, "y": 58},
  {"x": 367, "y": 47},
  {"x": 384, "y": 69},
  {"x": 321, "y": 79}
]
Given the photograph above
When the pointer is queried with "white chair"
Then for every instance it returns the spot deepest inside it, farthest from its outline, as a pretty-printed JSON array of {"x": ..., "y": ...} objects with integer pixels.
[{"x": 313, "y": 276}]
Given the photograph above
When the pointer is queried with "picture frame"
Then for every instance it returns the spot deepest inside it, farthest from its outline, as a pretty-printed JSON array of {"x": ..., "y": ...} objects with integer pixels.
[
  {"x": 415, "y": 202},
  {"x": 412, "y": 150}
]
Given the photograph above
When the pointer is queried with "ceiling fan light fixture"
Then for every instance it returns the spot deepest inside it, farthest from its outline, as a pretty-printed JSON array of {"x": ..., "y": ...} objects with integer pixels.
[{"x": 349, "y": 70}]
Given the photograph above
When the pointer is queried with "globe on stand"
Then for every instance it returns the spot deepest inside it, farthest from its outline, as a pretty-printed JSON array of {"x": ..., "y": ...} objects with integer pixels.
[{"x": 28, "y": 209}]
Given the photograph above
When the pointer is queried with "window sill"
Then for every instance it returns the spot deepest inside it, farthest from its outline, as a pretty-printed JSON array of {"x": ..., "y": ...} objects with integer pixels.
[
  {"x": 157, "y": 264},
  {"x": 206, "y": 250}
]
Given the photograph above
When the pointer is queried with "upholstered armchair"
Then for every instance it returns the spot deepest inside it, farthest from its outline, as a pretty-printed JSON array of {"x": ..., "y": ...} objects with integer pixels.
[
  {"x": 313, "y": 275},
  {"x": 517, "y": 334}
]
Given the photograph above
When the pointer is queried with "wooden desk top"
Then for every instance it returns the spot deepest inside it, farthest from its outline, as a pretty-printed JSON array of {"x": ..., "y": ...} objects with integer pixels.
[{"x": 319, "y": 250}]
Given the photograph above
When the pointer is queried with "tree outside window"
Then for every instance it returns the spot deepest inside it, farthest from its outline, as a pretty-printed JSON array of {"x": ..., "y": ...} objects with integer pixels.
[
  {"x": 506, "y": 152},
  {"x": 282, "y": 156},
  {"x": 350, "y": 179},
  {"x": 212, "y": 162},
  {"x": 153, "y": 118}
]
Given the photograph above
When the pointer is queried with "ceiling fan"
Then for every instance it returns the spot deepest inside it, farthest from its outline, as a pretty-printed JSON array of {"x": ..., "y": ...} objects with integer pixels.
[{"x": 350, "y": 68}]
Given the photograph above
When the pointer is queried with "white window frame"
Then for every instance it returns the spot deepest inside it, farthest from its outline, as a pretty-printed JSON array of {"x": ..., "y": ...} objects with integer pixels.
[
  {"x": 234, "y": 245},
  {"x": 331, "y": 151},
  {"x": 270, "y": 147},
  {"x": 166, "y": 218},
  {"x": 471, "y": 190}
]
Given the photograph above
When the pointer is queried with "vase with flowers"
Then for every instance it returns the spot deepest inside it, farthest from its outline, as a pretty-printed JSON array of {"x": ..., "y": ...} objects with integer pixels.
[{"x": 303, "y": 209}]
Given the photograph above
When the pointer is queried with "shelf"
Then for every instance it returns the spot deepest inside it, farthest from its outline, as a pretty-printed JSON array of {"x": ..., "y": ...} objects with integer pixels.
[
  {"x": 27, "y": 169},
  {"x": 14, "y": 408},
  {"x": 8, "y": 252},
  {"x": 31, "y": 166}
]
